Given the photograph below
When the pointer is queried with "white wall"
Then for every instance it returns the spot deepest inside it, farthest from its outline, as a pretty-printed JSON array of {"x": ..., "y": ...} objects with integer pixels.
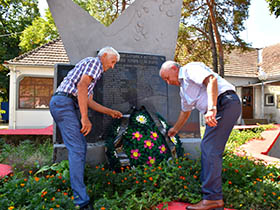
[{"x": 21, "y": 118}]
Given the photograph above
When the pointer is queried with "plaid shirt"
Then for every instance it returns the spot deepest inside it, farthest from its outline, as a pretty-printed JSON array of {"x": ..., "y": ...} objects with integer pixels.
[{"x": 89, "y": 66}]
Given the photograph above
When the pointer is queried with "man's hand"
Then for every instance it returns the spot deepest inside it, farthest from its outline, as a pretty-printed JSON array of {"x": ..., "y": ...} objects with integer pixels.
[
  {"x": 86, "y": 126},
  {"x": 116, "y": 114},
  {"x": 172, "y": 132},
  {"x": 210, "y": 118}
]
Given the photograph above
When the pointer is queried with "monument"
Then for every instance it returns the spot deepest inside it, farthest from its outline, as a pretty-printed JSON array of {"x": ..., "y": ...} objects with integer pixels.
[{"x": 145, "y": 35}]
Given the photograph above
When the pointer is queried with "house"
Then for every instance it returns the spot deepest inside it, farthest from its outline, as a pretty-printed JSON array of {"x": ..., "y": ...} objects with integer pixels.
[{"x": 31, "y": 83}]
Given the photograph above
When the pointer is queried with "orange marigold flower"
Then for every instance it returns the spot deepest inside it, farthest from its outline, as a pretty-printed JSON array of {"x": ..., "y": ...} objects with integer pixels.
[
  {"x": 30, "y": 172},
  {"x": 194, "y": 176},
  {"x": 22, "y": 184},
  {"x": 236, "y": 170},
  {"x": 229, "y": 182},
  {"x": 11, "y": 207},
  {"x": 109, "y": 183},
  {"x": 224, "y": 169},
  {"x": 57, "y": 205},
  {"x": 51, "y": 208},
  {"x": 114, "y": 172},
  {"x": 151, "y": 178},
  {"x": 65, "y": 193},
  {"x": 144, "y": 181},
  {"x": 36, "y": 179},
  {"x": 58, "y": 190},
  {"x": 273, "y": 193},
  {"x": 96, "y": 167},
  {"x": 179, "y": 166},
  {"x": 72, "y": 197},
  {"x": 185, "y": 187},
  {"x": 122, "y": 180},
  {"x": 25, "y": 180},
  {"x": 159, "y": 168},
  {"x": 63, "y": 181},
  {"x": 137, "y": 182},
  {"x": 102, "y": 169},
  {"x": 60, "y": 177},
  {"x": 102, "y": 208}
]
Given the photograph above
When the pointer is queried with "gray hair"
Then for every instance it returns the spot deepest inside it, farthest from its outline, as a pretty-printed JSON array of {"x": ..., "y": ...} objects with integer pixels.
[
  {"x": 109, "y": 50},
  {"x": 167, "y": 65}
]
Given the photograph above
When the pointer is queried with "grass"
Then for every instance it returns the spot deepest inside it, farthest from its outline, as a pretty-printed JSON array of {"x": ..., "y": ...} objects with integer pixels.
[{"x": 26, "y": 155}]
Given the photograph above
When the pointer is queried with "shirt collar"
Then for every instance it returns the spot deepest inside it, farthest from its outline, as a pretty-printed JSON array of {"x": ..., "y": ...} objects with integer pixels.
[{"x": 101, "y": 66}]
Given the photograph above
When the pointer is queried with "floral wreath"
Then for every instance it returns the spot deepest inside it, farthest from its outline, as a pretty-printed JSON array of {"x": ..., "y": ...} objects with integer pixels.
[{"x": 140, "y": 139}]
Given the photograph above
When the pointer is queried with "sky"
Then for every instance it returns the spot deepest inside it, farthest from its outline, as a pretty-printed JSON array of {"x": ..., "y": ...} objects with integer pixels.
[{"x": 262, "y": 29}]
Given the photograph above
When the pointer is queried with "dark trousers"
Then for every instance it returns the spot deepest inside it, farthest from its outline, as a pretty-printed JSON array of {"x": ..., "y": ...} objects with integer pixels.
[
  {"x": 213, "y": 145},
  {"x": 65, "y": 112}
]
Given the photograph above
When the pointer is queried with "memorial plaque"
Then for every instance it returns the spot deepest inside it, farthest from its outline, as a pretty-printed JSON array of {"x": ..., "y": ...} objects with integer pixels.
[{"x": 134, "y": 82}]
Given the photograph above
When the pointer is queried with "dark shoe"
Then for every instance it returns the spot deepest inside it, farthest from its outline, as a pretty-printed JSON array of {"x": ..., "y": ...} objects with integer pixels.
[{"x": 206, "y": 205}]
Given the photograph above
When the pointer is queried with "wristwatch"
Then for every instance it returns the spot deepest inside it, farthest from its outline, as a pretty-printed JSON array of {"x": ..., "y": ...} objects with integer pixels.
[{"x": 212, "y": 108}]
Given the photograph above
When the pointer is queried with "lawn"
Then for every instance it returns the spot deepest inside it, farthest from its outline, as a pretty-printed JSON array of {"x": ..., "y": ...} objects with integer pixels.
[{"x": 39, "y": 184}]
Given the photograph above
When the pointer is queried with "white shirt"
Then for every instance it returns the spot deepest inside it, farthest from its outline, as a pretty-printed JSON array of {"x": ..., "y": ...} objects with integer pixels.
[{"x": 193, "y": 92}]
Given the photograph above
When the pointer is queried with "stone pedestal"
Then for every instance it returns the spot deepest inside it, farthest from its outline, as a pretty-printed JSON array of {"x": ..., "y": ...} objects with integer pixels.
[{"x": 192, "y": 146}]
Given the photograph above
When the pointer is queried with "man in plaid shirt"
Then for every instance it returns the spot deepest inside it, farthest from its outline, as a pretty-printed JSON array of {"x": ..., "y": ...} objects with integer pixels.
[{"x": 69, "y": 108}]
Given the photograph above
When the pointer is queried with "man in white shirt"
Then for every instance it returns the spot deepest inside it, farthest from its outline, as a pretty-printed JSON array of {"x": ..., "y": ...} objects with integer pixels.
[{"x": 213, "y": 96}]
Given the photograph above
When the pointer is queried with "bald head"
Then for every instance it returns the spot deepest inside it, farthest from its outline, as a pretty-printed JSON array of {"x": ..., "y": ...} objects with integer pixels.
[{"x": 169, "y": 72}]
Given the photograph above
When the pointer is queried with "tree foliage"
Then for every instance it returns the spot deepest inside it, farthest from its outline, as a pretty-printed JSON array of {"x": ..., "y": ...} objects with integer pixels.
[
  {"x": 15, "y": 16},
  {"x": 274, "y": 7},
  {"x": 40, "y": 32},
  {"x": 105, "y": 11},
  {"x": 230, "y": 17}
]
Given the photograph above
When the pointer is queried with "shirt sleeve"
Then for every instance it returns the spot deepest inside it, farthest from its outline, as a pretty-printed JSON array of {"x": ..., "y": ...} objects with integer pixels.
[
  {"x": 198, "y": 72},
  {"x": 92, "y": 68}
]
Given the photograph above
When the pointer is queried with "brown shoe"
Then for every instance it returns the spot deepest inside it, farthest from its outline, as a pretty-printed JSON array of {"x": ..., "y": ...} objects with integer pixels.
[{"x": 206, "y": 205}]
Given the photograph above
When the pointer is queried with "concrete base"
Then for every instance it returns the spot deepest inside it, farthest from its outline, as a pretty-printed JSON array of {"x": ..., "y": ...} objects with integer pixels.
[
  {"x": 192, "y": 146},
  {"x": 95, "y": 153}
]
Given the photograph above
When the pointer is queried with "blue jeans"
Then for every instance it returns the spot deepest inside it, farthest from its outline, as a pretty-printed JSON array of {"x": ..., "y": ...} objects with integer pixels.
[
  {"x": 213, "y": 145},
  {"x": 65, "y": 112}
]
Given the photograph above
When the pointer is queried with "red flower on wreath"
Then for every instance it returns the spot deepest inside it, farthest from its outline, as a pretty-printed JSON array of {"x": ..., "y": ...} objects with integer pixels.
[
  {"x": 151, "y": 161},
  {"x": 149, "y": 144},
  {"x": 135, "y": 154},
  {"x": 162, "y": 149},
  {"x": 154, "y": 135},
  {"x": 137, "y": 135}
]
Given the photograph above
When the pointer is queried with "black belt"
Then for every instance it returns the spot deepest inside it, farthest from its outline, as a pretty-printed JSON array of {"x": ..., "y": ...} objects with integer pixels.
[
  {"x": 228, "y": 92},
  {"x": 69, "y": 95}
]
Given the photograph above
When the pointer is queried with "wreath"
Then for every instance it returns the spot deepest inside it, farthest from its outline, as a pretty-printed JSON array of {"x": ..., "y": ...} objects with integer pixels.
[{"x": 140, "y": 138}]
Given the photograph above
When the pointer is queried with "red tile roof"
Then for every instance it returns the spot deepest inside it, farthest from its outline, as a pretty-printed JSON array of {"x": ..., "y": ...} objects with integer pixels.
[
  {"x": 242, "y": 64},
  {"x": 271, "y": 60},
  {"x": 47, "y": 55}
]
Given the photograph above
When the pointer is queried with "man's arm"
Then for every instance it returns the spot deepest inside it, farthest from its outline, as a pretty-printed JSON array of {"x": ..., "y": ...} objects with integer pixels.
[
  {"x": 212, "y": 92},
  {"x": 102, "y": 109},
  {"x": 183, "y": 117},
  {"x": 83, "y": 103}
]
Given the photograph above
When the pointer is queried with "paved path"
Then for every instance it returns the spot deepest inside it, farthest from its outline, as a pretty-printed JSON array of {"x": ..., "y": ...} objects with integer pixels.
[{"x": 259, "y": 148}]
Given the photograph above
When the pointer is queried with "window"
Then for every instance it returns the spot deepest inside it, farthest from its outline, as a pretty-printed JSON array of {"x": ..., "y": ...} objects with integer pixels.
[
  {"x": 35, "y": 92},
  {"x": 269, "y": 100}
]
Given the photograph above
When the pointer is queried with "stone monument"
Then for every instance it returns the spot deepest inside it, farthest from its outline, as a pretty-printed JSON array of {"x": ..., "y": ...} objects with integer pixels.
[{"x": 145, "y": 35}]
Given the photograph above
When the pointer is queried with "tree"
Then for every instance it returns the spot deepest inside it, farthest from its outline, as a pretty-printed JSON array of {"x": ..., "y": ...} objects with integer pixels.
[
  {"x": 15, "y": 15},
  {"x": 104, "y": 11},
  {"x": 40, "y": 32},
  {"x": 226, "y": 18},
  {"x": 274, "y": 7}
]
